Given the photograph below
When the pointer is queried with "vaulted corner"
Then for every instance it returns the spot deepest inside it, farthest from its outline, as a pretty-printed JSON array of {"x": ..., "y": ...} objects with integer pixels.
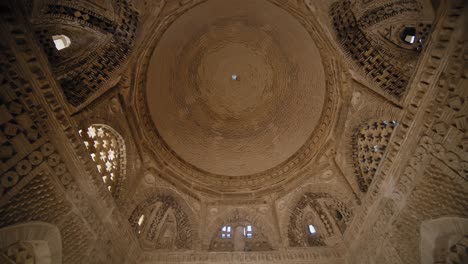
[
  {"x": 233, "y": 131},
  {"x": 318, "y": 219},
  {"x": 160, "y": 222},
  {"x": 384, "y": 40},
  {"x": 86, "y": 44}
]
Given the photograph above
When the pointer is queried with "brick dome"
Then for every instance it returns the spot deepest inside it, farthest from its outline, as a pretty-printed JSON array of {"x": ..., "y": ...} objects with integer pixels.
[{"x": 235, "y": 89}]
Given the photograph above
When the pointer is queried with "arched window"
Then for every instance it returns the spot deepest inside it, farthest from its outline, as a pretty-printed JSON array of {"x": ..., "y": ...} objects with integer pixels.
[
  {"x": 317, "y": 219},
  {"x": 313, "y": 237},
  {"x": 161, "y": 223},
  {"x": 61, "y": 41},
  {"x": 312, "y": 230},
  {"x": 239, "y": 236},
  {"x": 370, "y": 146},
  {"x": 140, "y": 223},
  {"x": 408, "y": 35},
  {"x": 248, "y": 231},
  {"x": 141, "y": 219},
  {"x": 107, "y": 149},
  {"x": 226, "y": 232},
  {"x": 414, "y": 37}
]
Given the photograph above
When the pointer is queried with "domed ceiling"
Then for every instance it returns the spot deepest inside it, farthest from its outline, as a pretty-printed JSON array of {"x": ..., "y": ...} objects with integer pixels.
[
  {"x": 236, "y": 94},
  {"x": 235, "y": 88}
]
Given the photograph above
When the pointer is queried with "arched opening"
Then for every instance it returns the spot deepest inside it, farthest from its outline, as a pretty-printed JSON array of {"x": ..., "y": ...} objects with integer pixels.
[
  {"x": 161, "y": 223},
  {"x": 248, "y": 232},
  {"x": 107, "y": 149},
  {"x": 140, "y": 223},
  {"x": 312, "y": 230},
  {"x": 408, "y": 35},
  {"x": 226, "y": 232},
  {"x": 318, "y": 219},
  {"x": 239, "y": 236},
  {"x": 61, "y": 41}
]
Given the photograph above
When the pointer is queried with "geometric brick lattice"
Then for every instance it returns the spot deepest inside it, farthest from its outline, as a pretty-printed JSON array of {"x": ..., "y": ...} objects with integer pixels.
[
  {"x": 370, "y": 57},
  {"x": 327, "y": 216},
  {"x": 107, "y": 149},
  {"x": 82, "y": 76},
  {"x": 371, "y": 141}
]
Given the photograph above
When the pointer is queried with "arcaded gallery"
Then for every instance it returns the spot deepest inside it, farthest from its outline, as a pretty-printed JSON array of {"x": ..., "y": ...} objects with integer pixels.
[{"x": 233, "y": 131}]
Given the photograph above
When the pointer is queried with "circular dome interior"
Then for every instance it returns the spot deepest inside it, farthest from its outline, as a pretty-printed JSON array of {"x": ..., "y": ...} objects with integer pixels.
[{"x": 235, "y": 87}]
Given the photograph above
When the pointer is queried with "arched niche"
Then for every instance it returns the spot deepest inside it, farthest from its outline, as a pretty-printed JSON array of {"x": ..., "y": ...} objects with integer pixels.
[
  {"x": 162, "y": 220},
  {"x": 109, "y": 114},
  {"x": 38, "y": 241},
  {"x": 241, "y": 230},
  {"x": 102, "y": 36},
  {"x": 292, "y": 219},
  {"x": 444, "y": 240},
  {"x": 108, "y": 151},
  {"x": 328, "y": 215},
  {"x": 370, "y": 142},
  {"x": 370, "y": 109},
  {"x": 384, "y": 39}
]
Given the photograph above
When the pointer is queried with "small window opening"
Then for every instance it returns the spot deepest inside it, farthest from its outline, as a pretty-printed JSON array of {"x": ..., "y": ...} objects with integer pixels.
[
  {"x": 106, "y": 150},
  {"x": 226, "y": 232},
  {"x": 140, "y": 221},
  {"x": 61, "y": 41},
  {"x": 248, "y": 231},
  {"x": 312, "y": 230},
  {"x": 409, "y": 35}
]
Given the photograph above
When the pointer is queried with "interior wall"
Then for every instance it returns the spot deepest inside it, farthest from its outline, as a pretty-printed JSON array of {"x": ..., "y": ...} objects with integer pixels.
[{"x": 47, "y": 174}]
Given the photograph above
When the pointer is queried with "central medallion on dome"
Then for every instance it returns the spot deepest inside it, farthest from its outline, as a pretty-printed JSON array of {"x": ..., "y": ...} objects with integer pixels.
[{"x": 235, "y": 87}]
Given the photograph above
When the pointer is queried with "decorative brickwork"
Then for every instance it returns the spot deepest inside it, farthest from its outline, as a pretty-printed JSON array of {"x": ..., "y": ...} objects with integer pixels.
[
  {"x": 107, "y": 149},
  {"x": 88, "y": 176},
  {"x": 82, "y": 77},
  {"x": 164, "y": 226},
  {"x": 379, "y": 62},
  {"x": 371, "y": 141},
  {"x": 321, "y": 210}
]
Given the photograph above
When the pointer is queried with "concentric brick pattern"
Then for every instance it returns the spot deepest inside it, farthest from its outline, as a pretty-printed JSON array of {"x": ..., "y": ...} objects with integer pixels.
[{"x": 243, "y": 126}]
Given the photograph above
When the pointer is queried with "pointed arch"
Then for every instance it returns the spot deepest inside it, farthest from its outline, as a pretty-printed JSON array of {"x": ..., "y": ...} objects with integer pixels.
[
  {"x": 370, "y": 36},
  {"x": 167, "y": 221},
  {"x": 107, "y": 149},
  {"x": 288, "y": 205},
  {"x": 247, "y": 232},
  {"x": 61, "y": 41},
  {"x": 100, "y": 45},
  {"x": 328, "y": 216},
  {"x": 374, "y": 109}
]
